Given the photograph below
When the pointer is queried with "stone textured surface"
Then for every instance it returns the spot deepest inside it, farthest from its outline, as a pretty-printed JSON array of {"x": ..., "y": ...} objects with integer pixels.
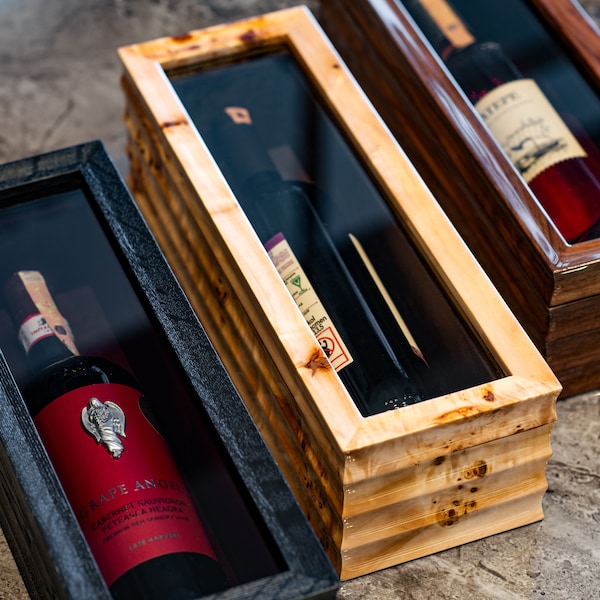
[
  {"x": 59, "y": 85},
  {"x": 59, "y": 71}
]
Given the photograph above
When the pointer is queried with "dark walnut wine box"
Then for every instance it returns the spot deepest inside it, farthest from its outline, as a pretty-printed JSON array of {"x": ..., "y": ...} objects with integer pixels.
[
  {"x": 379, "y": 489},
  {"x": 69, "y": 215},
  {"x": 551, "y": 286}
]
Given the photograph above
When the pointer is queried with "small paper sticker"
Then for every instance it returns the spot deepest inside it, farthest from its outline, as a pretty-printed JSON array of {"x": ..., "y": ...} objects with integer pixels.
[{"x": 308, "y": 302}]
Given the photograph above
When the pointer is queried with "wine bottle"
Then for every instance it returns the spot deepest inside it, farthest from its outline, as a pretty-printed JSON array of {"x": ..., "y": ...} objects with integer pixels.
[
  {"x": 559, "y": 168},
  {"x": 301, "y": 249},
  {"x": 115, "y": 468}
]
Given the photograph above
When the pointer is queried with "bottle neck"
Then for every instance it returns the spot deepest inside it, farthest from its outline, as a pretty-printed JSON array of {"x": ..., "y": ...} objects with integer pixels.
[
  {"x": 441, "y": 25},
  {"x": 480, "y": 68},
  {"x": 43, "y": 332},
  {"x": 46, "y": 351},
  {"x": 477, "y": 66},
  {"x": 449, "y": 25}
]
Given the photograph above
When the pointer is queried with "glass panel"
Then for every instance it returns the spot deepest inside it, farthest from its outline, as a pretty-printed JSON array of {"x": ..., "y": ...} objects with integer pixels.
[
  {"x": 52, "y": 228},
  {"x": 537, "y": 53},
  {"x": 549, "y": 128},
  {"x": 347, "y": 232}
]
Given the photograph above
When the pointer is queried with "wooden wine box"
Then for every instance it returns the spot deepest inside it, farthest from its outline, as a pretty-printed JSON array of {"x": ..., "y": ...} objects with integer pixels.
[
  {"x": 69, "y": 214},
  {"x": 553, "y": 287},
  {"x": 378, "y": 489}
]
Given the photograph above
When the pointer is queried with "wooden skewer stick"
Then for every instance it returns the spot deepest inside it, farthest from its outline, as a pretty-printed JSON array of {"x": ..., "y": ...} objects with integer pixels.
[{"x": 386, "y": 296}]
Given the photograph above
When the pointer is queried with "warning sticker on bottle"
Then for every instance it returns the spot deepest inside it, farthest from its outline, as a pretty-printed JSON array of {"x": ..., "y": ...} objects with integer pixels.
[{"x": 308, "y": 302}]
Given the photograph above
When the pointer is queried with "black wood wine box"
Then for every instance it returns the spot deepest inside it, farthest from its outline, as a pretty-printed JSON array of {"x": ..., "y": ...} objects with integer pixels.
[
  {"x": 552, "y": 286},
  {"x": 69, "y": 215}
]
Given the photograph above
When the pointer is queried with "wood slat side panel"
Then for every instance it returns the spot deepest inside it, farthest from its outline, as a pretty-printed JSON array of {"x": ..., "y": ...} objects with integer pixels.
[
  {"x": 455, "y": 472},
  {"x": 575, "y": 352},
  {"x": 442, "y": 509},
  {"x": 573, "y": 318},
  {"x": 516, "y": 511},
  {"x": 466, "y": 423},
  {"x": 578, "y": 380}
]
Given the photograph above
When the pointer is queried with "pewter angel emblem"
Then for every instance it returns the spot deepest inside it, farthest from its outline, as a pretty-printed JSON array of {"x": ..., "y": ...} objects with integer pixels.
[{"x": 105, "y": 422}]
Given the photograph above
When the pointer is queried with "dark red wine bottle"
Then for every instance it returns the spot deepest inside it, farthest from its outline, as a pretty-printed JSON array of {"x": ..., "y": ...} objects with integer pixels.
[
  {"x": 115, "y": 467},
  {"x": 560, "y": 169},
  {"x": 287, "y": 224}
]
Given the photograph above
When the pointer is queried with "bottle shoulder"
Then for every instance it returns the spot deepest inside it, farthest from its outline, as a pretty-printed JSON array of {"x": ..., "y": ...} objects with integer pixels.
[
  {"x": 488, "y": 54},
  {"x": 481, "y": 67},
  {"x": 70, "y": 374}
]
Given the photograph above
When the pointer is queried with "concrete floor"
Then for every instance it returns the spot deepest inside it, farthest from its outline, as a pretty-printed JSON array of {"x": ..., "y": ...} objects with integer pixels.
[{"x": 59, "y": 85}]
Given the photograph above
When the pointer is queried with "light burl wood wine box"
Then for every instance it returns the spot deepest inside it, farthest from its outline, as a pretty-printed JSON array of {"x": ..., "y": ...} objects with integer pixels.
[
  {"x": 552, "y": 287},
  {"x": 381, "y": 489}
]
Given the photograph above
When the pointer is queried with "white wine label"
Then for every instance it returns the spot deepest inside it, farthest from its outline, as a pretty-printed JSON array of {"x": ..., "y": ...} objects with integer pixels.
[
  {"x": 308, "y": 302},
  {"x": 33, "y": 329},
  {"x": 528, "y": 128}
]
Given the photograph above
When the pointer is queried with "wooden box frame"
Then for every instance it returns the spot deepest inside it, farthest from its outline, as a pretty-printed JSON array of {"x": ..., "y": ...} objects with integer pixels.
[
  {"x": 378, "y": 490},
  {"x": 39, "y": 524},
  {"x": 552, "y": 287}
]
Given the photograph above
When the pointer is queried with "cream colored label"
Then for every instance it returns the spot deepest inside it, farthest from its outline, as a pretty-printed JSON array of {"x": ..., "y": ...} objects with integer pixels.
[
  {"x": 308, "y": 302},
  {"x": 527, "y": 127}
]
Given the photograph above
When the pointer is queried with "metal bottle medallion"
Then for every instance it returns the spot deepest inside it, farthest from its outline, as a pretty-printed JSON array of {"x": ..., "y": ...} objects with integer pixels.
[{"x": 105, "y": 421}]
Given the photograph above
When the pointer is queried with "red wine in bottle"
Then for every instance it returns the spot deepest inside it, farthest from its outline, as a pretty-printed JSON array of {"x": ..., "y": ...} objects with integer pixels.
[
  {"x": 314, "y": 273},
  {"x": 115, "y": 467},
  {"x": 556, "y": 165}
]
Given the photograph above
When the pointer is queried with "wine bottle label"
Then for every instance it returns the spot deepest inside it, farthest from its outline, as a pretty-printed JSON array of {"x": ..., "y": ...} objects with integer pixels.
[
  {"x": 119, "y": 477},
  {"x": 35, "y": 284},
  {"x": 308, "y": 302},
  {"x": 528, "y": 128},
  {"x": 33, "y": 329}
]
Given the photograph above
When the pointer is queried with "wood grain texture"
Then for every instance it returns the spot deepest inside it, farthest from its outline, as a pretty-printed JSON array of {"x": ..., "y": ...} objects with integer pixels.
[
  {"x": 378, "y": 490},
  {"x": 577, "y": 30}
]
